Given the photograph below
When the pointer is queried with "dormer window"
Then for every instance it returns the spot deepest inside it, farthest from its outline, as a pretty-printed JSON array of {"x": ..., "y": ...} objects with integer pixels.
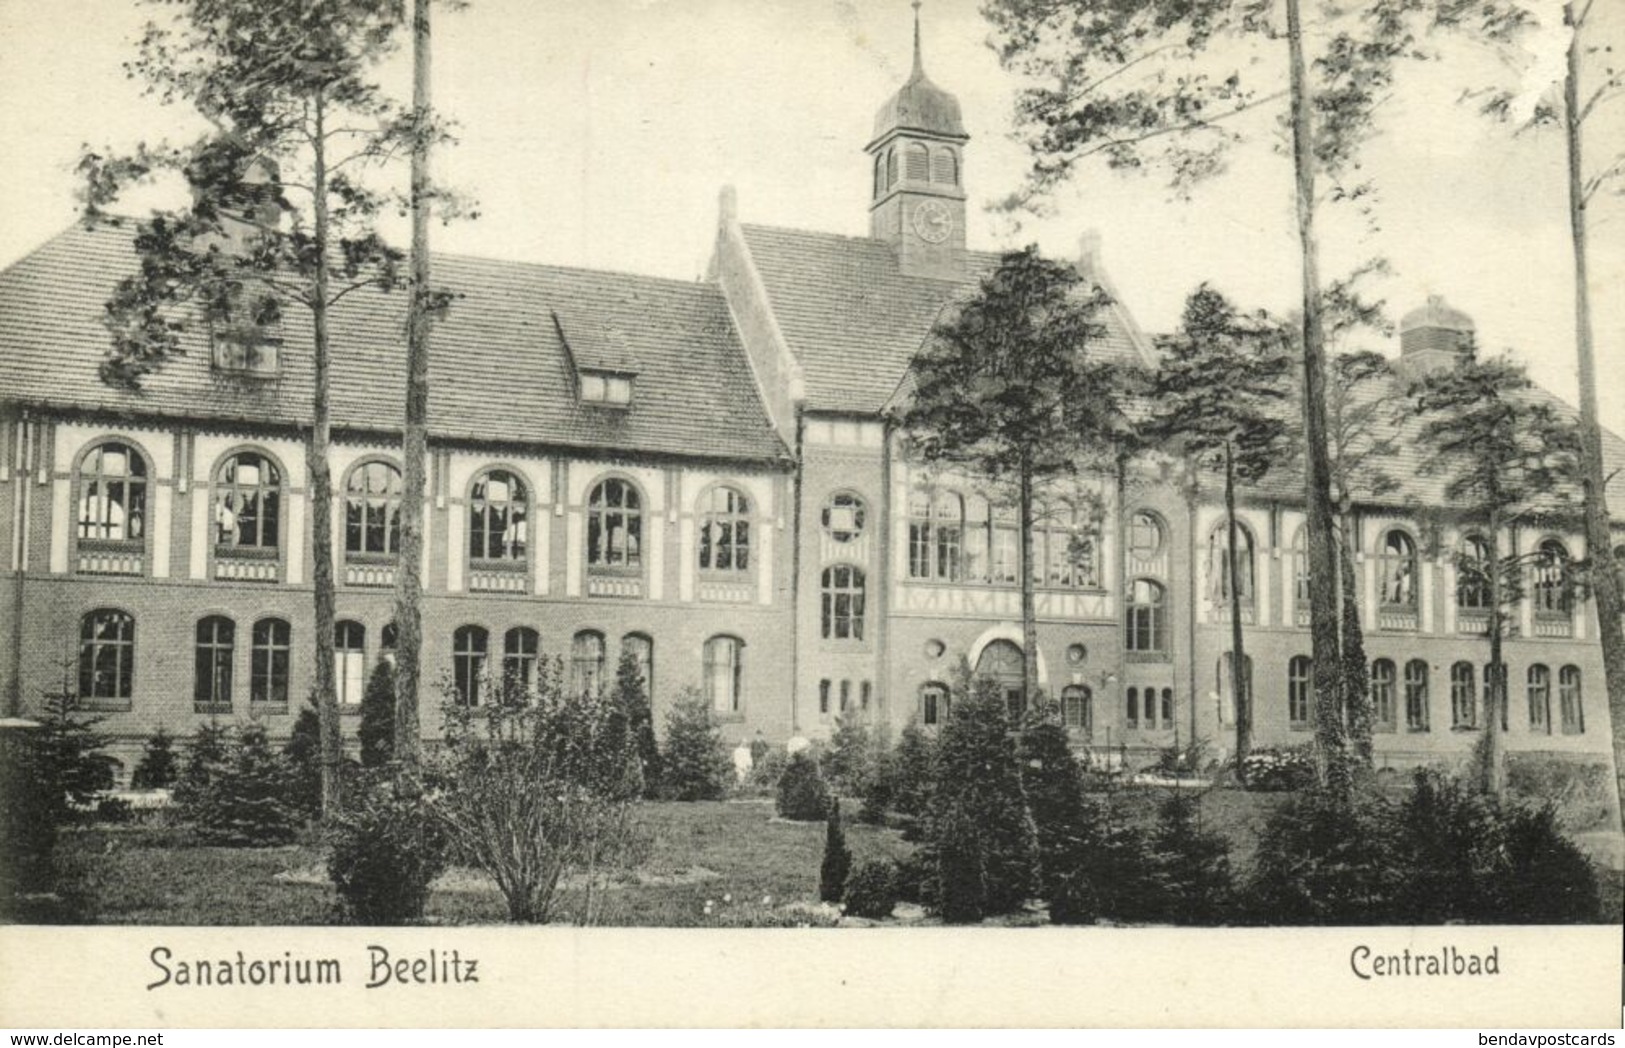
[
  {"x": 606, "y": 389},
  {"x": 248, "y": 343}
]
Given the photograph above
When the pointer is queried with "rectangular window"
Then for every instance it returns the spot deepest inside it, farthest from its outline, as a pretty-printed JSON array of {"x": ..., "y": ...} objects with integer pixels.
[
  {"x": 823, "y": 696},
  {"x": 1131, "y": 708},
  {"x": 268, "y": 674},
  {"x": 1568, "y": 690},
  {"x": 865, "y": 693},
  {"x": 1540, "y": 700},
  {"x": 846, "y": 695},
  {"x": 1416, "y": 696}
]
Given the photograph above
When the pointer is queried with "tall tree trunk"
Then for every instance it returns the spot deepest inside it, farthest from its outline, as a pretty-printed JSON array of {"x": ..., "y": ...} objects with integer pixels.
[
  {"x": 415, "y": 437},
  {"x": 1351, "y": 650},
  {"x": 1029, "y": 611},
  {"x": 1605, "y": 581},
  {"x": 1331, "y": 742},
  {"x": 321, "y": 492},
  {"x": 1240, "y": 679},
  {"x": 1495, "y": 695}
]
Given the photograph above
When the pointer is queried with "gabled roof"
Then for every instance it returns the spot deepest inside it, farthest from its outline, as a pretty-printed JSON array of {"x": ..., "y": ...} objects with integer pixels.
[
  {"x": 499, "y": 370},
  {"x": 855, "y": 321}
]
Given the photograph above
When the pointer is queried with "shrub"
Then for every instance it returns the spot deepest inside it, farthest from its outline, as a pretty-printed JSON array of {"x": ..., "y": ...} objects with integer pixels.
[
  {"x": 1325, "y": 860},
  {"x": 1191, "y": 881},
  {"x": 1446, "y": 844},
  {"x": 767, "y": 768},
  {"x": 115, "y": 810},
  {"x": 914, "y": 878},
  {"x": 159, "y": 767},
  {"x": 205, "y": 756},
  {"x": 387, "y": 850},
  {"x": 1054, "y": 790},
  {"x": 871, "y": 891},
  {"x": 247, "y": 800},
  {"x": 911, "y": 769},
  {"x": 303, "y": 752},
  {"x": 694, "y": 766},
  {"x": 1278, "y": 769},
  {"x": 803, "y": 795},
  {"x": 376, "y": 731},
  {"x": 877, "y": 788},
  {"x": 980, "y": 832},
  {"x": 850, "y": 756},
  {"x": 70, "y": 755},
  {"x": 1107, "y": 874},
  {"x": 532, "y": 791},
  {"x": 1547, "y": 879},
  {"x": 1578, "y": 787},
  {"x": 837, "y": 859},
  {"x": 632, "y": 692},
  {"x": 29, "y": 803}
]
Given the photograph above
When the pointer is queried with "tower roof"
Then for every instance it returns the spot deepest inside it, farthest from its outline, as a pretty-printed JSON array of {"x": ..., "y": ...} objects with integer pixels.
[
  {"x": 1436, "y": 313},
  {"x": 920, "y": 105}
]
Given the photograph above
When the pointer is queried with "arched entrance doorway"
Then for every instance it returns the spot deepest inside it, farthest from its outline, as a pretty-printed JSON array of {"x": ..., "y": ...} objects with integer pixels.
[{"x": 1001, "y": 662}]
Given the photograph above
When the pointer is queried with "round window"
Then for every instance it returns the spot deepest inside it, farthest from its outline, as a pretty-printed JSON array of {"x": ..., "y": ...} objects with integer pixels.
[
  {"x": 934, "y": 649},
  {"x": 1076, "y": 654},
  {"x": 843, "y": 516}
]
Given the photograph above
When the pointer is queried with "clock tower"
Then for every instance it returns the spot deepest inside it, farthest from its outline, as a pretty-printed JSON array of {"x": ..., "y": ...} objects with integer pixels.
[{"x": 917, "y": 201}]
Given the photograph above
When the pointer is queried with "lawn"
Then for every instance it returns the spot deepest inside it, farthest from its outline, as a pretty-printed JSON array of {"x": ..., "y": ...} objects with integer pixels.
[{"x": 709, "y": 864}]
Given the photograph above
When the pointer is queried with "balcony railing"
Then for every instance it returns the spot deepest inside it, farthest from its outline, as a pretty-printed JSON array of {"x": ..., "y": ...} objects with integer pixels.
[
  {"x": 245, "y": 564},
  {"x": 112, "y": 557},
  {"x": 498, "y": 576}
]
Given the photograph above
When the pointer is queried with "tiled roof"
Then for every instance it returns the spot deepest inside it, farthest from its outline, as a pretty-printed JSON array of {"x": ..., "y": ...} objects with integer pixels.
[
  {"x": 499, "y": 371},
  {"x": 1417, "y": 480},
  {"x": 854, "y": 320}
]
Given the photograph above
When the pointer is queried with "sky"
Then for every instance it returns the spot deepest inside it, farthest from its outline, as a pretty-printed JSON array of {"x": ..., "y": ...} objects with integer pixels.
[{"x": 599, "y": 135}]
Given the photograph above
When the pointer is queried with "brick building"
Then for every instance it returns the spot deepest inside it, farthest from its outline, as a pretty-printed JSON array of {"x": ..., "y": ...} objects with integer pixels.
[{"x": 703, "y": 473}]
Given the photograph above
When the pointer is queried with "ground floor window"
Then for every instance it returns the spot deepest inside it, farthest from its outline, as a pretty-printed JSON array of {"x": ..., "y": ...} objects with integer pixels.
[
  {"x": 1568, "y": 693},
  {"x": 349, "y": 661},
  {"x": 933, "y": 705},
  {"x": 268, "y": 670},
  {"x": 723, "y": 672},
  {"x": 1298, "y": 676},
  {"x": 1463, "y": 696},
  {"x": 1077, "y": 708}
]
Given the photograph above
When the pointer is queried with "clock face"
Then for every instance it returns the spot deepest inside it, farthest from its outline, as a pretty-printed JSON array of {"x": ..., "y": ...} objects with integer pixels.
[{"x": 933, "y": 222}]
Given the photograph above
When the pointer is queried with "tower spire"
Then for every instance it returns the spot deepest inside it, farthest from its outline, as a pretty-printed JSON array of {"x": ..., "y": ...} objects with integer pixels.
[{"x": 919, "y": 66}]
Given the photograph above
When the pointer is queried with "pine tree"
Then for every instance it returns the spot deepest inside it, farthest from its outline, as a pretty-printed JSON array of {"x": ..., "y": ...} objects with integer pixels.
[
  {"x": 837, "y": 859},
  {"x": 1054, "y": 789},
  {"x": 159, "y": 765},
  {"x": 1005, "y": 388},
  {"x": 632, "y": 692},
  {"x": 803, "y": 794},
  {"x": 206, "y": 753},
  {"x": 377, "y": 728},
  {"x": 70, "y": 748},
  {"x": 850, "y": 756},
  {"x": 694, "y": 766},
  {"x": 980, "y": 831},
  {"x": 303, "y": 752},
  {"x": 1190, "y": 865},
  {"x": 1218, "y": 396},
  {"x": 913, "y": 778},
  {"x": 247, "y": 804}
]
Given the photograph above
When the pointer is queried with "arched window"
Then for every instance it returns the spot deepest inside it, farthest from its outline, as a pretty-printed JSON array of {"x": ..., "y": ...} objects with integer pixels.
[
  {"x": 935, "y": 535},
  {"x": 642, "y": 649},
  {"x": 724, "y": 530},
  {"x": 1218, "y": 565},
  {"x": 211, "y": 684},
  {"x": 843, "y": 516},
  {"x": 469, "y": 645},
  {"x": 106, "y": 657},
  {"x": 349, "y": 661},
  {"x": 1473, "y": 574},
  {"x": 372, "y": 509},
  {"x": 843, "y": 598},
  {"x": 1553, "y": 586},
  {"x": 1298, "y": 684},
  {"x": 1078, "y": 708},
  {"x": 724, "y": 666},
  {"x": 388, "y": 642},
  {"x": 1064, "y": 549},
  {"x": 268, "y": 662},
  {"x": 1149, "y": 720},
  {"x": 1416, "y": 696},
  {"x": 945, "y": 167},
  {"x": 974, "y": 562},
  {"x": 1167, "y": 707},
  {"x": 1003, "y": 663},
  {"x": 1145, "y": 535},
  {"x": 498, "y": 517},
  {"x": 1540, "y": 700},
  {"x": 891, "y": 167},
  {"x": 1463, "y": 696},
  {"x": 1147, "y": 617},
  {"x": 918, "y": 168},
  {"x": 1131, "y": 707},
  {"x": 521, "y": 647},
  {"x": 1398, "y": 569},
  {"x": 247, "y": 502},
  {"x": 587, "y": 663},
  {"x": 1383, "y": 682},
  {"x": 933, "y": 704},
  {"x": 1300, "y": 567},
  {"x": 615, "y": 526},
  {"x": 1570, "y": 700},
  {"x": 112, "y": 493}
]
